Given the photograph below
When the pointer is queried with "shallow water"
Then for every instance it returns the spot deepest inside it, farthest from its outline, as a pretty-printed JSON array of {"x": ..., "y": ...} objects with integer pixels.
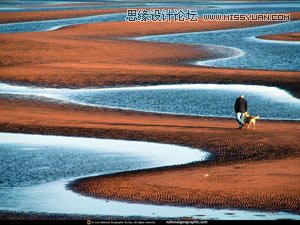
[
  {"x": 213, "y": 6},
  {"x": 212, "y": 100},
  {"x": 28, "y": 160},
  {"x": 200, "y": 100},
  {"x": 244, "y": 51},
  {"x": 35, "y": 170},
  {"x": 33, "y": 6},
  {"x": 236, "y": 48},
  {"x": 204, "y": 7},
  {"x": 45, "y": 25}
]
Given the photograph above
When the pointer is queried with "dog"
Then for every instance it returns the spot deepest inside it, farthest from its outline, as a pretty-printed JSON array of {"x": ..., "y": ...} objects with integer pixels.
[{"x": 249, "y": 120}]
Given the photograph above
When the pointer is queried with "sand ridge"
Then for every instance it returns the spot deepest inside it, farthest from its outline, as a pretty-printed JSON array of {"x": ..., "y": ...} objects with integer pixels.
[
  {"x": 93, "y": 55},
  {"x": 283, "y": 37},
  {"x": 13, "y": 17},
  {"x": 242, "y": 162}
]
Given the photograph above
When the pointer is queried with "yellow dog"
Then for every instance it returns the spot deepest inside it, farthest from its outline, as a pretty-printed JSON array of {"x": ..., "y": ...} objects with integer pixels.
[{"x": 250, "y": 120}]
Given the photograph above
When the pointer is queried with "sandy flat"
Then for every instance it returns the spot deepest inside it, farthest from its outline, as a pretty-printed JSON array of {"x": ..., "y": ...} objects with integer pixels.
[
  {"x": 11, "y": 17},
  {"x": 283, "y": 37},
  {"x": 250, "y": 169},
  {"x": 91, "y": 55}
]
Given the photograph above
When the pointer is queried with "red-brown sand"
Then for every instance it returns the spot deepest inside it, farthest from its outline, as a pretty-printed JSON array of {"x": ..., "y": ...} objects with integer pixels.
[
  {"x": 90, "y": 55},
  {"x": 283, "y": 37},
  {"x": 72, "y": 4},
  {"x": 251, "y": 169},
  {"x": 11, "y": 17}
]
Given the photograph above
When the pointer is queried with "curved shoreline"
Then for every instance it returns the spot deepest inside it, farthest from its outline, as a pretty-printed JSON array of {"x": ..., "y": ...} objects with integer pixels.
[
  {"x": 138, "y": 95},
  {"x": 275, "y": 147},
  {"x": 123, "y": 62},
  {"x": 160, "y": 186},
  {"x": 100, "y": 156},
  {"x": 289, "y": 37},
  {"x": 239, "y": 49},
  {"x": 14, "y": 17},
  {"x": 239, "y": 53}
]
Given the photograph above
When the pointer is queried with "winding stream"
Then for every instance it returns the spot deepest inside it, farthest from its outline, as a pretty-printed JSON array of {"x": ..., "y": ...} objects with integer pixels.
[
  {"x": 35, "y": 170},
  {"x": 47, "y": 25},
  {"x": 212, "y": 100},
  {"x": 238, "y": 48}
]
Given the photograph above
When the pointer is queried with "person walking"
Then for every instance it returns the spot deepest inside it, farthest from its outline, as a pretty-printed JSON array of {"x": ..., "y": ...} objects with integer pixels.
[{"x": 240, "y": 107}]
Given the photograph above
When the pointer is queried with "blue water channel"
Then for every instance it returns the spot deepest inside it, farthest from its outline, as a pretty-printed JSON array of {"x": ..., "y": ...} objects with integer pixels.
[
  {"x": 211, "y": 100},
  {"x": 46, "y": 25},
  {"x": 202, "y": 6},
  {"x": 35, "y": 170},
  {"x": 238, "y": 48}
]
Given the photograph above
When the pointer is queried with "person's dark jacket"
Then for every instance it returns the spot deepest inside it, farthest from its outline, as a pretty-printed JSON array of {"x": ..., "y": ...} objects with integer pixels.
[{"x": 240, "y": 105}]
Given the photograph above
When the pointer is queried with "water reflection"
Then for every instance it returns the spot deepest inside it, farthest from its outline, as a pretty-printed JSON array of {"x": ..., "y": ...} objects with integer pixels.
[
  {"x": 250, "y": 53},
  {"x": 35, "y": 170},
  {"x": 212, "y": 100}
]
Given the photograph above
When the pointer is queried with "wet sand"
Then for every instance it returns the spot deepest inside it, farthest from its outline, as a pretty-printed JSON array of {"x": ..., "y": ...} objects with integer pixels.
[
  {"x": 283, "y": 37},
  {"x": 92, "y": 56},
  {"x": 249, "y": 169},
  {"x": 62, "y": 4},
  {"x": 268, "y": 186},
  {"x": 12, "y": 17}
]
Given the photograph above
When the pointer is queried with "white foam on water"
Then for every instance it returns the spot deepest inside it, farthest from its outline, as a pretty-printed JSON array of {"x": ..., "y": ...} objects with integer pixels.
[
  {"x": 142, "y": 38},
  {"x": 54, "y": 197},
  {"x": 74, "y": 203},
  {"x": 56, "y": 27},
  {"x": 258, "y": 39},
  {"x": 159, "y": 152},
  {"x": 273, "y": 93},
  {"x": 240, "y": 53},
  {"x": 237, "y": 54}
]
